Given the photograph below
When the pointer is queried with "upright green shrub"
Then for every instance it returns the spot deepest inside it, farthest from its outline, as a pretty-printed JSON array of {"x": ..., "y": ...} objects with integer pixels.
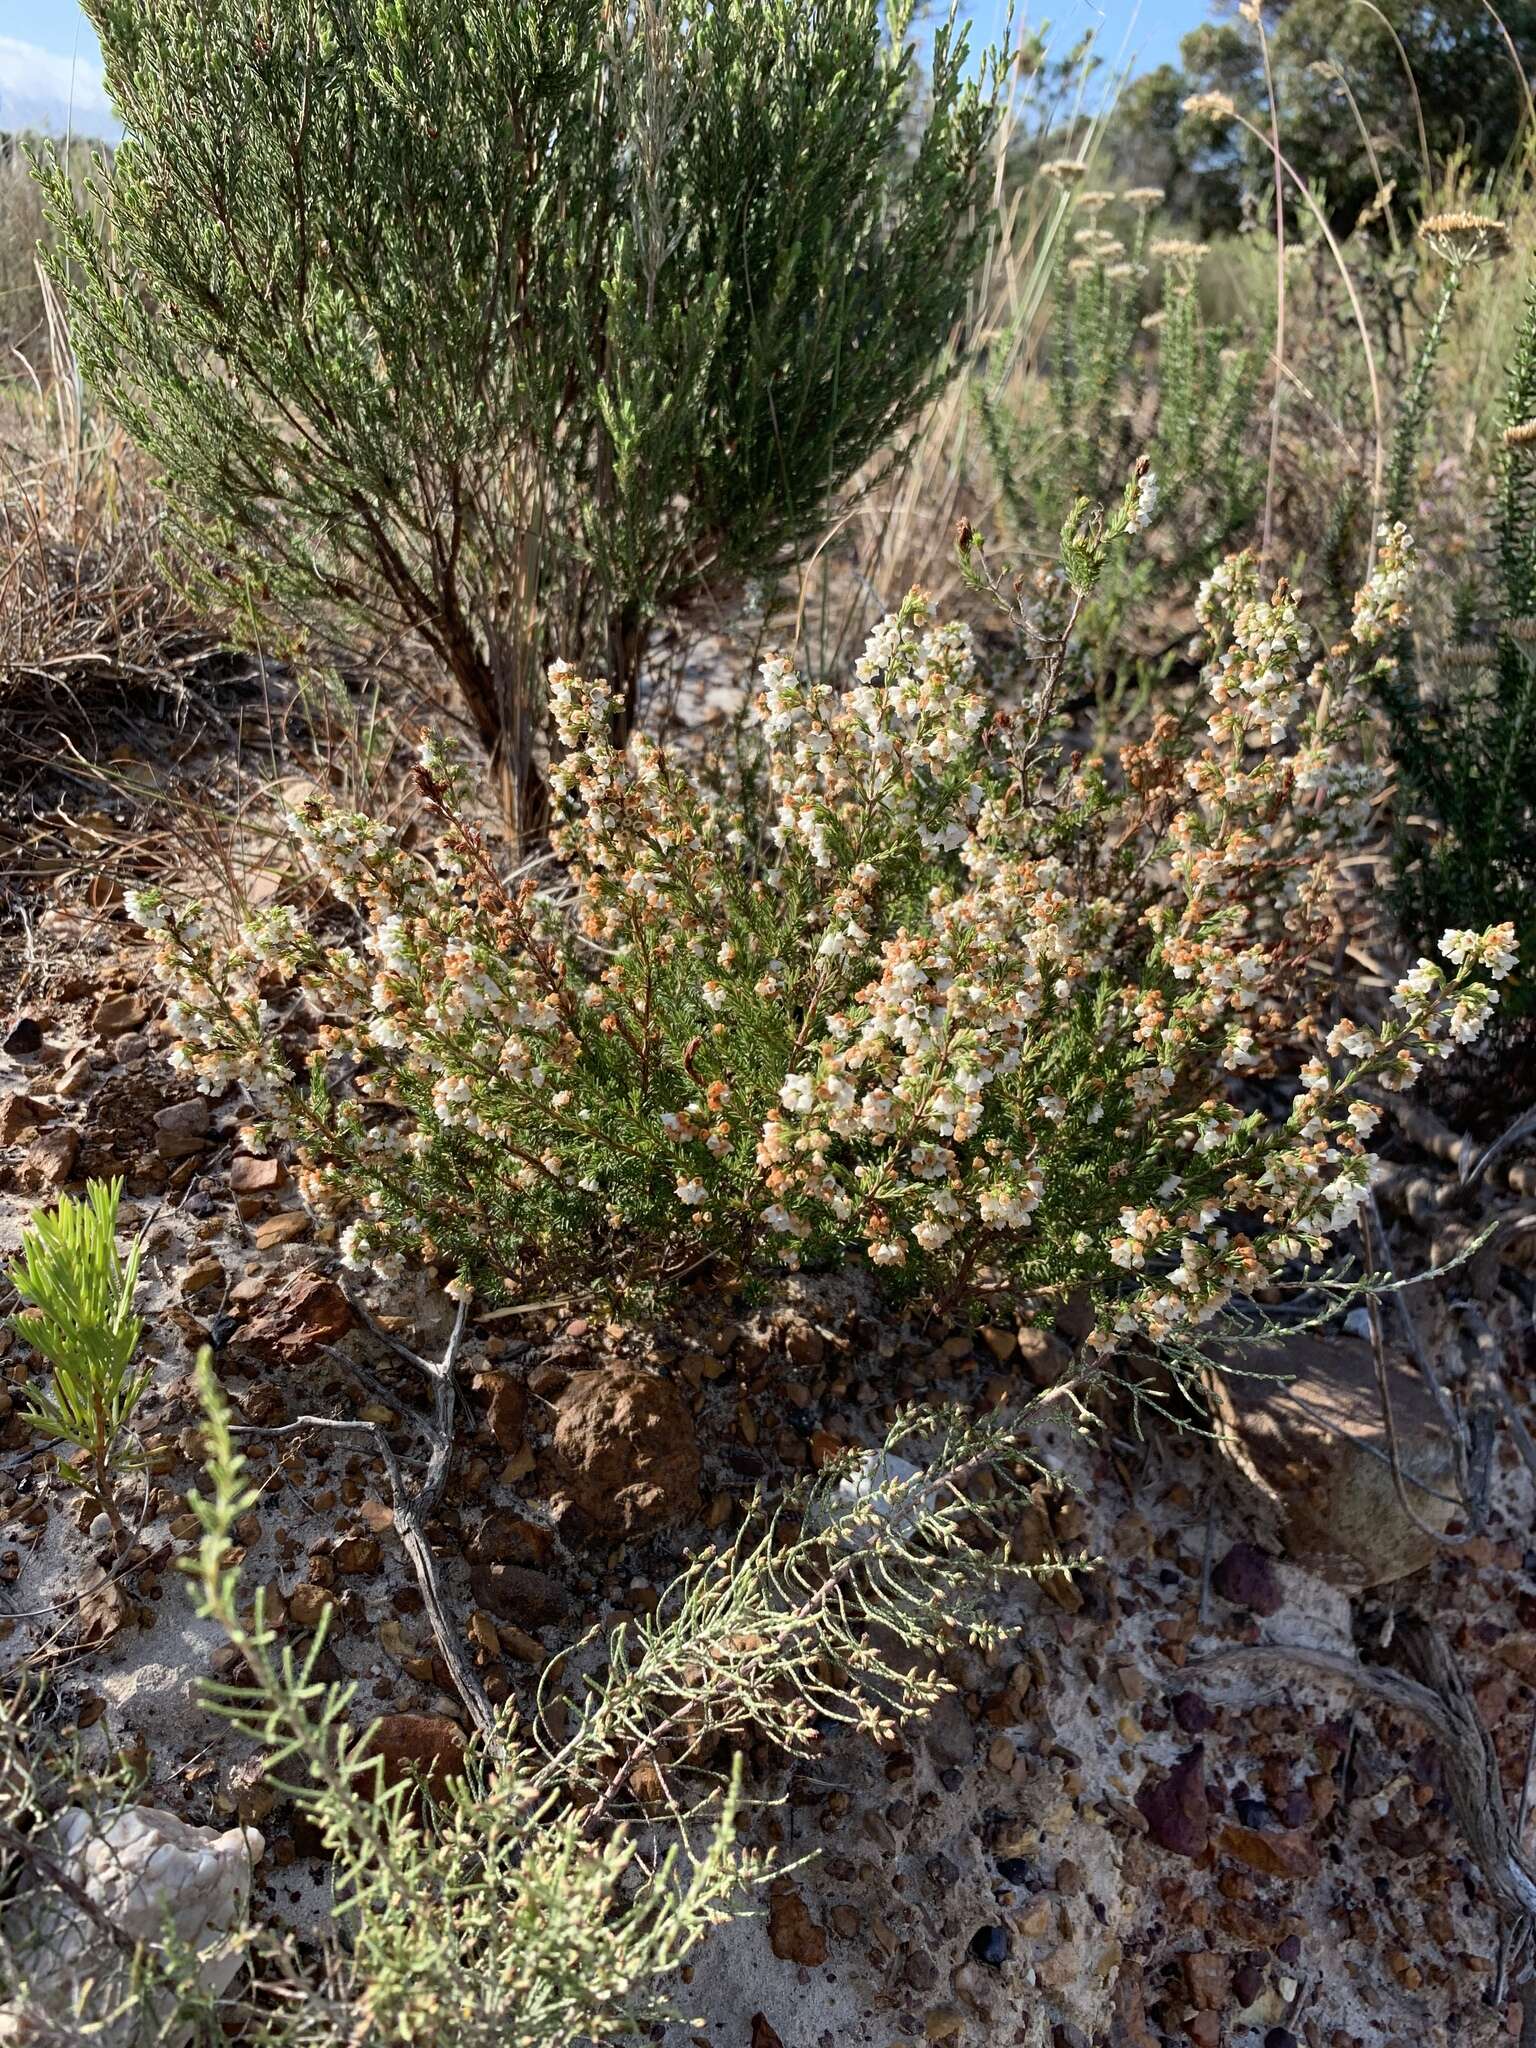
[
  {"x": 1464, "y": 712},
  {"x": 1116, "y": 384},
  {"x": 509, "y": 322}
]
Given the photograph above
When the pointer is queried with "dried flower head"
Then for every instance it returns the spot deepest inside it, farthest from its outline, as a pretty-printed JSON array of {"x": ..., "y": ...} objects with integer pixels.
[
  {"x": 1464, "y": 237},
  {"x": 1064, "y": 170},
  {"x": 1178, "y": 249},
  {"x": 1216, "y": 106},
  {"x": 1521, "y": 435},
  {"x": 1145, "y": 197},
  {"x": 1470, "y": 654},
  {"x": 1522, "y": 630},
  {"x": 1095, "y": 202}
]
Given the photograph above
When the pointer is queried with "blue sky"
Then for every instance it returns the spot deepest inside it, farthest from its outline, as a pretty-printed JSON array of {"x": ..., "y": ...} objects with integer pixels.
[
  {"x": 49, "y": 67},
  {"x": 1148, "y": 32}
]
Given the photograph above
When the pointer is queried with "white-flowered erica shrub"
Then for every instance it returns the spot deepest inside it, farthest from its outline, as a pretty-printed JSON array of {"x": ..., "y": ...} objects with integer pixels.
[{"x": 916, "y": 989}]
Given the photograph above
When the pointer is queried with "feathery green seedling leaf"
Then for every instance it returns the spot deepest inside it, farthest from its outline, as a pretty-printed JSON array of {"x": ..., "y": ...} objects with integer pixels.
[{"x": 79, "y": 1295}]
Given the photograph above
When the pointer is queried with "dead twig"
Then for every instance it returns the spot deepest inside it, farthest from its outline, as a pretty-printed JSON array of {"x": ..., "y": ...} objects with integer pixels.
[
  {"x": 1379, "y": 1359},
  {"x": 1207, "y": 1559},
  {"x": 1422, "y": 1197},
  {"x": 1488, "y": 1365},
  {"x": 31, "y": 1852},
  {"x": 1436, "y": 1696},
  {"x": 412, "y": 1507},
  {"x": 1416, "y": 1345},
  {"x": 1423, "y": 1128},
  {"x": 1484, "y": 1383},
  {"x": 1524, "y": 1126}
]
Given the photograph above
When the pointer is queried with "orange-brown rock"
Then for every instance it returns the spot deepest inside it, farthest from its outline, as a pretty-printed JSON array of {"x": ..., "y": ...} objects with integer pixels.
[
  {"x": 627, "y": 1451},
  {"x": 301, "y": 1319},
  {"x": 423, "y": 1748},
  {"x": 793, "y": 1935}
]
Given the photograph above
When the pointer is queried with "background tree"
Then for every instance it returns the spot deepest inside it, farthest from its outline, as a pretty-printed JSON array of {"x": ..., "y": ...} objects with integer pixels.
[
  {"x": 512, "y": 322},
  {"x": 1351, "y": 122}
]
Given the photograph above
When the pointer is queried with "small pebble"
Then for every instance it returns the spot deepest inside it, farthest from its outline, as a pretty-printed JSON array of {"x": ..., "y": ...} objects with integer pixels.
[{"x": 990, "y": 1945}]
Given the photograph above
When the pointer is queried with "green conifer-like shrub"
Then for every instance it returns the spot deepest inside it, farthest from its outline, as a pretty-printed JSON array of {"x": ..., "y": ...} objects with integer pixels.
[
  {"x": 1462, "y": 706},
  {"x": 1115, "y": 383},
  {"x": 508, "y": 322}
]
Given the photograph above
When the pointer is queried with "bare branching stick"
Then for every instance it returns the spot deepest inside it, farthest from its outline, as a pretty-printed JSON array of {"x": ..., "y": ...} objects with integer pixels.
[
  {"x": 27, "y": 1849},
  {"x": 1430, "y": 1134},
  {"x": 1379, "y": 1360},
  {"x": 413, "y": 1507},
  {"x": 1488, "y": 1359},
  {"x": 1435, "y": 1695},
  {"x": 1410, "y": 1327},
  {"x": 1524, "y": 1126}
]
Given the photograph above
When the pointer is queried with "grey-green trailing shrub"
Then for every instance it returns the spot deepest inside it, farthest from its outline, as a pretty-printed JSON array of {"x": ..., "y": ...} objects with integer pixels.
[
  {"x": 1114, "y": 383},
  {"x": 511, "y": 321},
  {"x": 550, "y": 1893}
]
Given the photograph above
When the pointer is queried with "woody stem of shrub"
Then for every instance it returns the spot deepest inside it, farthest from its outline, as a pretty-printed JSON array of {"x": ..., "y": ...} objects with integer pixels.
[
  {"x": 412, "y": 1507},
  {"x": 28, "y": 1850},
  {"x": 1437, "y": 1697}
]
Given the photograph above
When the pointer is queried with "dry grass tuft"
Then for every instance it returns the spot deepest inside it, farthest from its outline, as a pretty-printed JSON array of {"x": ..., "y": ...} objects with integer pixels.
[{"x": 90, "y": 603}]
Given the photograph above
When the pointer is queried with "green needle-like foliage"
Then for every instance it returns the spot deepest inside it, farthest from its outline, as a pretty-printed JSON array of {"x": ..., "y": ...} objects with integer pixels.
[
  {"x": 833, "y": 1612},
  {"x": 1464, "y": 721},
  {"x": 1115, "y": 387},
  {"x": 78, "y": 1292},
  {"x": 510, "y": 322}
]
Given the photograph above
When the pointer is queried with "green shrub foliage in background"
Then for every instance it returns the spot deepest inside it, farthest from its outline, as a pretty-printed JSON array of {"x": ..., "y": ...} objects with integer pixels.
[
  {"x": 512, "y": 321},
  {"x": 1118, "y": 385},
  {"x": 1463, "y": 710}
]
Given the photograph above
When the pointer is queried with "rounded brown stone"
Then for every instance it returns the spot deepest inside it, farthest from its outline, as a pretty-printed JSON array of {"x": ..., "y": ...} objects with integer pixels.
[{"x": 627, "y": 1449}]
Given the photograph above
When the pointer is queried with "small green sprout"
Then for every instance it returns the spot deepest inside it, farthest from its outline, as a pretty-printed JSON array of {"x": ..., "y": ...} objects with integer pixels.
[{"x": 78, "y": 1295}]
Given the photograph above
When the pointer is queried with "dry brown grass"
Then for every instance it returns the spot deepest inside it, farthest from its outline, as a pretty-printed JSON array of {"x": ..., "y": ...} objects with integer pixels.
[
  {"x": 90, "y": 603},
  {"x": 24, "y": 308}
]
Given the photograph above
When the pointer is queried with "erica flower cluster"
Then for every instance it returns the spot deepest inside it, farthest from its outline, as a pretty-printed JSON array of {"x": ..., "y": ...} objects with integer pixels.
[{"x": 909, "y": 987}]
